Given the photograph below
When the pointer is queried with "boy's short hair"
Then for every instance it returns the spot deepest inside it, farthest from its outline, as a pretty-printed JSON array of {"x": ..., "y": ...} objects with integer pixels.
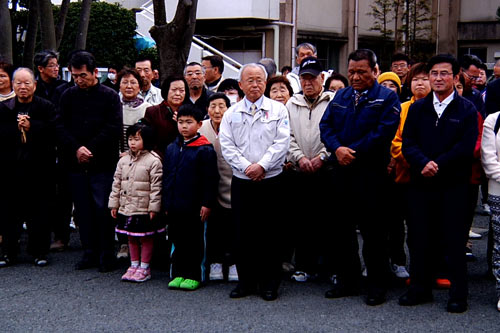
[
  {"x": 146, "y": 132},
  {"x": 219, "y": 95},
  {"x": 190, "y": 110}
]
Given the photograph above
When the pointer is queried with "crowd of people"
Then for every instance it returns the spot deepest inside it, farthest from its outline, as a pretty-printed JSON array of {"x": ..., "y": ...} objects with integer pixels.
[{"x": 247, "y": 178}]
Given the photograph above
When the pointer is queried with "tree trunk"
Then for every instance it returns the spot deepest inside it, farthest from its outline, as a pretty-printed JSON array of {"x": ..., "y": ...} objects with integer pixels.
[
  {"x": 81, "y": 36},
  {"x": 31, "y": 31},
  {"x": 160, "y": 13},
  {"x": 47, "y": 25},
  {"x": 63, "y": 13},
  {"x": 173, "y": 40},
  {"x": 6, "y": 29}
]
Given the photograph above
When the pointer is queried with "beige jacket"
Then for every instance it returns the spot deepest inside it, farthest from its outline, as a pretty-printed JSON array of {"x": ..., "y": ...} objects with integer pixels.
[
  {"x": 304, "y": 126},
  {"x": 137, "y": 184},
  {"x": 225, "y": 171}
]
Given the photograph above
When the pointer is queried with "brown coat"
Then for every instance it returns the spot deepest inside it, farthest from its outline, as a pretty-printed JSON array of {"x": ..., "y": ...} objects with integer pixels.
[{"x": 160, "y": 118}]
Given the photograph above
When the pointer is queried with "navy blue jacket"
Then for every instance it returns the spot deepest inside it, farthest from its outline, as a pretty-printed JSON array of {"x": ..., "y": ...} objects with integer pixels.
[
  {"x": 367, "y": 128},
  {"x": 475, "y": 97},
  {"x": 449, "y": 141},
  {"x": 492, "y": 102},
  {"x": 190, "y": 175}
]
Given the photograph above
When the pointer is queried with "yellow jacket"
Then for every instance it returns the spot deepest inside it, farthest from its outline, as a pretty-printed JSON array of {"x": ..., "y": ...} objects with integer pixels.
[{"x": 402, "y": 167}]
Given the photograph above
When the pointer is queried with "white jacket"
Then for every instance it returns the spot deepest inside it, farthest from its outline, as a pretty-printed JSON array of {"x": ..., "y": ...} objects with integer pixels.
[
  {"x": 490, "y": 154},
  {"x": 305, "y": 138},
  {"x": 263, "y": 138}
]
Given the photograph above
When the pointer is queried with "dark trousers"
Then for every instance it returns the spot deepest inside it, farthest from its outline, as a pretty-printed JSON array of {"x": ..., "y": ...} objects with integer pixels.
[
  {"x": 187, "y": 233},
  {"x": 397, "y": 215},
  {"x": 220, "y": 236},
  {"x": 438, "y": 219},
  {"x": 256, "y": 210},
  {"x": 91, "y": 195},
  {"x": 309, "y": 205},
  {"x": 30, "y": 201},
  {"x": 64, "y": 206},
  {"x": 359, "y": 198}
]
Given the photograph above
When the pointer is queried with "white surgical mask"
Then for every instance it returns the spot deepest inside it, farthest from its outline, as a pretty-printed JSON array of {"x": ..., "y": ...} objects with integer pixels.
[
  {"x": 233, "y": 98},
  {"x": 112, "y": 76}
]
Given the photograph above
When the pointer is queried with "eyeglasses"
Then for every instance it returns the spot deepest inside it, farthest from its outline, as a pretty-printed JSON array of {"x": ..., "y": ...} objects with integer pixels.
[
  {"x": 444, "y": 75},
  {"x": 399, "y": 65},
  {"x": 197, "y": 73},
  {"x": 52, "y": 66},
  {"x": 471, "y": 77}
]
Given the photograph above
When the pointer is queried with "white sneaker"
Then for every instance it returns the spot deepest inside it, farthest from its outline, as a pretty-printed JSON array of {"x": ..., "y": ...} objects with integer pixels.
[
  {"x": 216, "y": 272},
  {"x": 300, "y": 276},
  {"x": 123, "y": 253},
  {"x": 474, "y": 235},
  {"x": 498, "y": 305},
  {"x": 400, "y": 271},
  {"x": 233, "y": 273}
]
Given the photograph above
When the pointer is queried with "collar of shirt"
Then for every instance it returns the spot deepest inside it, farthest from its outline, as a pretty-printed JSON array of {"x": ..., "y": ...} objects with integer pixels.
[
  {"x": 439, "y": 107},
  {"x": 258, "y": 103}
]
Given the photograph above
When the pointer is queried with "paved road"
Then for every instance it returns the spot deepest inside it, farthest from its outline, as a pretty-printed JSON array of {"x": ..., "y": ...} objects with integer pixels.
[{"x": 58, "y": 299}]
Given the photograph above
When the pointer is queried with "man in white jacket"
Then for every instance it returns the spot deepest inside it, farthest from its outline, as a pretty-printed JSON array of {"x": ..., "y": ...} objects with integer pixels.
[
  {"x": 309, "y": 172},
  {"x": 254, "y": 137}
]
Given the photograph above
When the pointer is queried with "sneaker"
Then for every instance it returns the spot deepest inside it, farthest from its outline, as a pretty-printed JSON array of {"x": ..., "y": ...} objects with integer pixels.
[
  {"x": 57, "y": 245},
  {"x": 141, "y": 275},
  {"x": 400, "y": 271},
  {"x": 486, "y": 209},
  {"x": 233, "y": 273},
  {"x": 175, "y": 283},
  {"x": 468, "y": 254},
  {"x": 287, "y": 267},
  {"x": 41, "y": 262},
  {"x": 4, "y": 261},
  {"x": 216, "y": 272},
  {"x": 300, "y": 276},
  {"x": 189, "y": 284},
  {"x": 474, "y": 235},
  {"x": 443, "y": 283},
  {"x": 498, "y": 305},
  {"x": 129, "y": 274},
  {"x": 123, "y": 253}
]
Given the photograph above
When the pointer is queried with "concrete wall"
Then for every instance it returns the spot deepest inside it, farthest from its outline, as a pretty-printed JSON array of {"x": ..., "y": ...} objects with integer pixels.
[
  {"x": 320, "y": 15},
  {"x": 478, "y": 10}
]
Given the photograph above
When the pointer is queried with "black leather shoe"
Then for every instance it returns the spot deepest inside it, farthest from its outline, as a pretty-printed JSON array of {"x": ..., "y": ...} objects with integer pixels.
[
  {"x": 269, "y": 295},
  {"x": 341, "y": 290},
  {"x": 85, "y": 263},
  {"x": 456, "y": 306},
  {"x": 239, "y": 292},
  {"x": 375, "y": 297},
  {"x": 412, "y": 297}
]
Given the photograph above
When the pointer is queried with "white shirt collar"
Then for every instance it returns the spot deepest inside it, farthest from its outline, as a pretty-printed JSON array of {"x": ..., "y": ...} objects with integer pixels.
[
  {"x": 445, "y": 101},
  {"x": 258, "y": 103}
]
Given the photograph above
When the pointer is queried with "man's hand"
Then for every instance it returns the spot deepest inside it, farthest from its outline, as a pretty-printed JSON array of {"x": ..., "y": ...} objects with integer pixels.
[
  {"x": 317, "y": 163},
  {"x": 305, "y": 165},
  {"x": 255, "y": 172},
  {"x": 114, "y": 212},
  {"x": 204, "y": 213},
  {"x": 391, "y": 166},
  {"x": 23, "y": 122},
  {"x": 345, "y": 155},
  {"x": 83, "y": 155},
  {"x": 430, "y": 169}
]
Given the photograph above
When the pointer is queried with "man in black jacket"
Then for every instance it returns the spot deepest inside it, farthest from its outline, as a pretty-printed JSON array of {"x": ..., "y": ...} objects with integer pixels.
[
  {"x": 89, "y": 129},
  {"x": 438, "y": 142},
  {"x": 27, "y": 164}
]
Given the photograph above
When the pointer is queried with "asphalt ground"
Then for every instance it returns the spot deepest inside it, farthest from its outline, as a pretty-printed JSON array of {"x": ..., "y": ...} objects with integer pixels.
[{"x": 57, "y": 298}]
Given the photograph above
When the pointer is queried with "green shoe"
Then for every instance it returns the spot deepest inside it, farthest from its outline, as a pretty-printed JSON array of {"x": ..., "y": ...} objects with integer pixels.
[
  {"x": 176, "y": 283},
  {"x": 189, "y": 284}
]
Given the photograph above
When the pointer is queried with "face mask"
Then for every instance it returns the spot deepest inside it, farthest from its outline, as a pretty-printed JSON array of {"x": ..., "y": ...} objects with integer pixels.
[
  {"x": 232, "y": 98},
  {"x": 112, "y": 76}
]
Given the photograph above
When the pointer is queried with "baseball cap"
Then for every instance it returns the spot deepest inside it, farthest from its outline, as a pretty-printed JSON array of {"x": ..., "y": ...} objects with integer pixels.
[{"x": 310, "y": 65}]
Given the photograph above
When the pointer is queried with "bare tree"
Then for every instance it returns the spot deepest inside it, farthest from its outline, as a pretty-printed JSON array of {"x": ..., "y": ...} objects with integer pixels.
[
  {"x": 47, "y": 25},
  {"x": 81, "y": 36},
  {"x": 31, "y": 31},
  {"x": 6, "y": 29},
  {"x": 382, "y": 14},
  {"x": 63, "y": 13},
  {"x": 173, "y": 39},
  {"x": 397, "y": 9}
]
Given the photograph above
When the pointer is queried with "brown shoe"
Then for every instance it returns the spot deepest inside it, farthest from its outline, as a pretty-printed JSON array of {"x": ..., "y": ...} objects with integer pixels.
[{"x": 57, "y": 245}]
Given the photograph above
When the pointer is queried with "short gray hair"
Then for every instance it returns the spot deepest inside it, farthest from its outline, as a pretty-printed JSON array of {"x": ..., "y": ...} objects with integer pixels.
[
  {"x": 194, "y": 63},
  {"x": 24, "y": 69},
  {"x": 254, "y": 65},
  {"x": 270, "y": 66},
  {"x": 308, "y": 46}
]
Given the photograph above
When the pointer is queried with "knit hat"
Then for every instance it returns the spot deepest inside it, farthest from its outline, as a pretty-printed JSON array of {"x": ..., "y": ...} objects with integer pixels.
[{"x": 390, "y": 76}]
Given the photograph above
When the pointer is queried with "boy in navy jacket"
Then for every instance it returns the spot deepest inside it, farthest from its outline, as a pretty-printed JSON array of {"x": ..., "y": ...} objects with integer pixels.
[{"x": 190, "y": 185}]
